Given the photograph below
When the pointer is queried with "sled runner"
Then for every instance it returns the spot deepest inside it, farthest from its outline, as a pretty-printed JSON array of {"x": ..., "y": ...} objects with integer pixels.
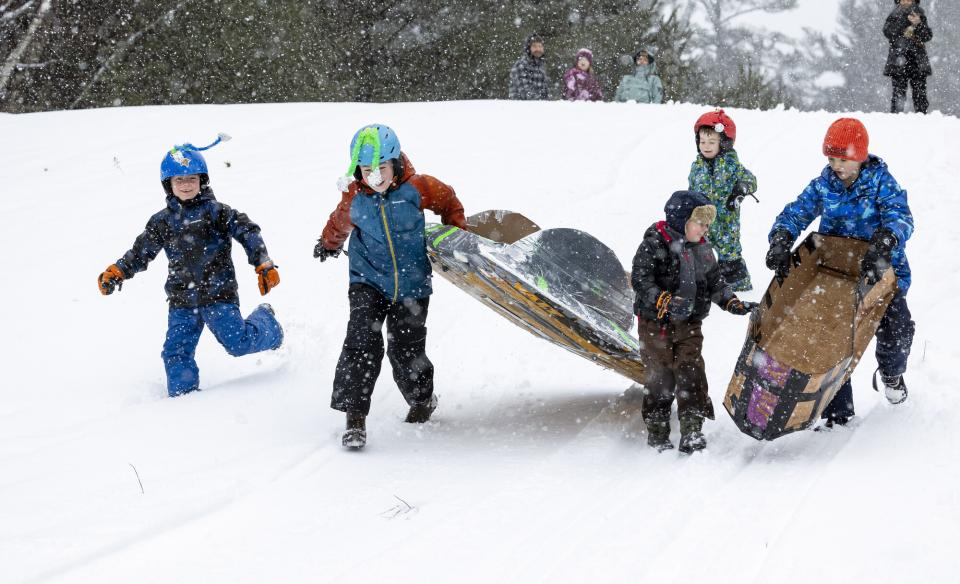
[
  {"x": 562, "y": 285},
  {"x": 806, "y": 338}
]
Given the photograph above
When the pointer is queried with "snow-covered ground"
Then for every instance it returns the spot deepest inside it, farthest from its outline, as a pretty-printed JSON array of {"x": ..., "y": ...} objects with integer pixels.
[{"x": 524, "y": 474}]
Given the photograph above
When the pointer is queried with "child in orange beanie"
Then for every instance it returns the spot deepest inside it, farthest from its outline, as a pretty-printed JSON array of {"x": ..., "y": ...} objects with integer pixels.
[{"x": 855, "y": 196}]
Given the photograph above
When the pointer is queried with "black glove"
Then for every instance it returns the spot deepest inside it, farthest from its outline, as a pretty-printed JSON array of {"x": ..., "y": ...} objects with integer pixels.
[
  {"x": 739, "y": 307},
  {"x": 778, "y": 256},
  {"x": 319, "y": 251},
  {"x": 741, "y": 190},
  {"x": 878, "y": 257}
]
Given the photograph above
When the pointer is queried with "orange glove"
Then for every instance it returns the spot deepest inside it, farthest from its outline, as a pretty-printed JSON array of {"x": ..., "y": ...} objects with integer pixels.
[
  {"x": 267, "y": 277},
  {"x": 110, "y": 279},
  {"x": 663, "y": 304}
]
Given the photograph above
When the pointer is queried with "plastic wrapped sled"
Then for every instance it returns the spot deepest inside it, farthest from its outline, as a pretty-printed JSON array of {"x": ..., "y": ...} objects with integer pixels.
[{"x": 562, "y": 285}]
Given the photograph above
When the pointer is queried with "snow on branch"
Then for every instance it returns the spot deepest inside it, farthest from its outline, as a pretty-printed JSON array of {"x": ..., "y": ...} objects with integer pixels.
[
  {"x": 122, "y": 47},
  {"x": 13, "y": 58},
  {"x": 5, "y": 15}
]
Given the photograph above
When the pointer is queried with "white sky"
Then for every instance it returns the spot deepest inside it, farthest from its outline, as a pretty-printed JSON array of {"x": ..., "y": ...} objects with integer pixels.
[{"x": 816, "y": 14}]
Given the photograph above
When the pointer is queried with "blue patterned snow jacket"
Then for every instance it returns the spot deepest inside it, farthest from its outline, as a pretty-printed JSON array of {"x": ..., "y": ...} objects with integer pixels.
[
  {"x": 196, "y": 236},
  {"x": 388, "y": 249},
  {"x": 874, "y": 200}
]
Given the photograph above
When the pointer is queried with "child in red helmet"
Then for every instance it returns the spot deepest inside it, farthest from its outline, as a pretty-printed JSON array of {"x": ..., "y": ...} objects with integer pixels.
[
  {"x": 718, "y": 173},
  {"x": 856, "y": 196}
]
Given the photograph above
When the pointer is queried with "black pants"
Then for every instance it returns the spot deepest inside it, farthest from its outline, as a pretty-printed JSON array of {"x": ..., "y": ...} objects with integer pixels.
[
  {"x": 673, "y": 354},
  {"x": 919, "y": 83},
  {"x": 894, "y": 340},
  {"x": 362, "y": 354}
]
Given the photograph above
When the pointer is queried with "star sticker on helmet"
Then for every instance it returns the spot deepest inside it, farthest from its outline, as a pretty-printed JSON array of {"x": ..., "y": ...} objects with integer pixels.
[{"x": 180, "y": 158}]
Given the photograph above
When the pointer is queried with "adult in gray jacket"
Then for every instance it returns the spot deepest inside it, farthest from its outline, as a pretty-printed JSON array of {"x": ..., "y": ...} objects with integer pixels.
[
  {"x": 528, "y": 77},
  {"x": 644, "y": 86}
]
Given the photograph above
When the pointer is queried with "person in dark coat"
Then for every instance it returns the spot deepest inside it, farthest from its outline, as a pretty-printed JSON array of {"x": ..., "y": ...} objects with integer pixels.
[
  {"x": 675, "y": 277},
  {"x": 528, "y": 76},
  {"x": 907, "y": 62},
  {"x": 195, "y": 231}
]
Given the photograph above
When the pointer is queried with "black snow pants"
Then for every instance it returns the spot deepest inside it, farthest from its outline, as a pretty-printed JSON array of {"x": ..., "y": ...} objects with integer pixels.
[
  {"x": 362, "y": 354},
  {"x": 673, "y": 353},
  {"x": 894, "y": 339},
  {"x": 920, "y": 102}
]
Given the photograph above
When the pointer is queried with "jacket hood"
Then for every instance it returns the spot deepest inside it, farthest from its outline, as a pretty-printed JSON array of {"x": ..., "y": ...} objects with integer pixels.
[
  {"x": 680, "y": 206},
  {"x": 534, "y": 38}
]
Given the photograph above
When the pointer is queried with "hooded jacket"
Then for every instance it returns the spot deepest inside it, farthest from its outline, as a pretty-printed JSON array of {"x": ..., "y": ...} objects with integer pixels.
[
  {"x": 873, "y": 201},
  {"x": 579, "y": 85},
  {"x": 665, "y": 262},
  {"x": 907, "y": 57},
  {"x": 644, "y": 86},
  {"x": 388, "y": 248},
  {"x": 197, "y": 237},
  {"x": 528, "y": 76}
]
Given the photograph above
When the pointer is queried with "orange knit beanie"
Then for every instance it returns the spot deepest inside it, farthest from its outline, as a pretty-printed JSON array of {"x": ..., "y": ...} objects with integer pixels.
[{"x": 846, "y": 138}]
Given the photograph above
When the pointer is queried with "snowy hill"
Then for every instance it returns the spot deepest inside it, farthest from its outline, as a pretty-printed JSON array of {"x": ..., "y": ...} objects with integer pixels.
[{"x": 525, "y": 474}]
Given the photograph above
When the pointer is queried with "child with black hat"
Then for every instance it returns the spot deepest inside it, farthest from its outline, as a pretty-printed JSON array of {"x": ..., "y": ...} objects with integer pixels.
[{"x": 675, "y": 277}]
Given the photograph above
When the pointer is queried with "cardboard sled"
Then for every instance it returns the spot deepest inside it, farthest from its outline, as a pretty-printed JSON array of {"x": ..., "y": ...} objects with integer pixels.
[
  {"x": 806, "y": 338},
  {"x": 562, "y": 285}
]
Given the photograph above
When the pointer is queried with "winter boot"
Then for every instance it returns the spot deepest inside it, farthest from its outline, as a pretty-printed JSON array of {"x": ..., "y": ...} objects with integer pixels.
[
  {"x": 420, "y": 412},
  {"x": 658, "y": 435},
  {"x": 355, "y": 436},
  {"x": 691, "y": 437},
  {"x": 894, "y": 387},
  {"x": 836, "y": 421}
]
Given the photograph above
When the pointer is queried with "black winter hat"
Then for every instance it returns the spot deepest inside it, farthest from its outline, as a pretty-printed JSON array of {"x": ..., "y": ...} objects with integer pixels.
[{"x": 681, "y": 205}]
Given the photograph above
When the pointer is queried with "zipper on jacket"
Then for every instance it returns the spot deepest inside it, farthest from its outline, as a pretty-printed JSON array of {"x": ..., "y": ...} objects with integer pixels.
[{"x": 393, "y": 256}]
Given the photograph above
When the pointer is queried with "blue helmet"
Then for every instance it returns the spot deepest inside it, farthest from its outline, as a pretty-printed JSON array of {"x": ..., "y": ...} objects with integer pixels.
[
  {"x": 182, "y": 160},
  {"x": 185, "y": 159},
  {"x": 389, "y": 144},
  {"x": 375, "y": 141}
]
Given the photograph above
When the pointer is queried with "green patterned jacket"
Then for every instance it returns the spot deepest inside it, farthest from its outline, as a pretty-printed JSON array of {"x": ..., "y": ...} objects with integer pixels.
[{"x": 716, "y": 180}]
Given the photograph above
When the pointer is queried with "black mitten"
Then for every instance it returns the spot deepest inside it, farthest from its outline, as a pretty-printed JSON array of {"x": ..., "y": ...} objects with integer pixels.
[
  {"x": 778, "y": 256},
  {"x": 878, "y": 257}
]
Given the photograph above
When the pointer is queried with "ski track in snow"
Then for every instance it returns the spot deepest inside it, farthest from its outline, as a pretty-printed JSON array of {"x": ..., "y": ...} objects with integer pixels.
[{"x": 526, "y": 473}]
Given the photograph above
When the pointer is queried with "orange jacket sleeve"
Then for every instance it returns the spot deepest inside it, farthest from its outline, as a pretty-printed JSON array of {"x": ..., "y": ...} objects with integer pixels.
[
  {"x": 339, "y": 226},
  {"x": 441, "y": 199}
]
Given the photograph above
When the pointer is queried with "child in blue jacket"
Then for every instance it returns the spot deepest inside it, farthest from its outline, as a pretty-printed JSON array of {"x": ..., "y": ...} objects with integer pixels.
[
  {"x": 195, "y": 231},
  {"x": 855, "y": 196},
  {"x": 381, "y": 214}
]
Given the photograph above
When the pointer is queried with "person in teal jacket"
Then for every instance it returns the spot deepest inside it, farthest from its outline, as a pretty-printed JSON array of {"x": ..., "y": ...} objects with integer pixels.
[
  {"x": 718, "y": 173},
  {"x": 644, "y": 86}
]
